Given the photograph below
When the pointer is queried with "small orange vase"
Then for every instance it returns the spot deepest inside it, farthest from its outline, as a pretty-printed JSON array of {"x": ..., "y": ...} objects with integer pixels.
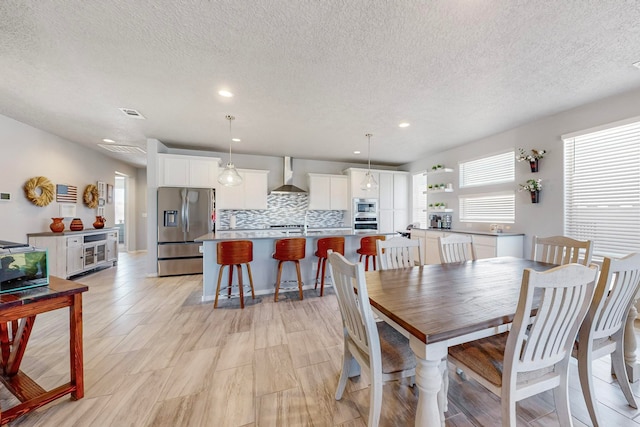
[
  {"x": 99, "y": 222},
  {"x": 76, "y": 225},
  {"x": 57, "y": 226}
]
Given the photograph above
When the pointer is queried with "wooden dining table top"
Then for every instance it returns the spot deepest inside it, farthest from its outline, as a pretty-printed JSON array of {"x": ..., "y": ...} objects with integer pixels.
[{"x": 438, "y": 302}]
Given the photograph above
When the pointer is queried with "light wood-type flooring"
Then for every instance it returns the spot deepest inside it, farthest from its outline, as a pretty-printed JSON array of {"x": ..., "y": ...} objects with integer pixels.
[{"x": 156, "y": 356}]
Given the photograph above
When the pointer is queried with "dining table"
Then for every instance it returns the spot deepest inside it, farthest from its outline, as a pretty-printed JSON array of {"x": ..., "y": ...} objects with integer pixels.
[{"x": 442, "y": 305}]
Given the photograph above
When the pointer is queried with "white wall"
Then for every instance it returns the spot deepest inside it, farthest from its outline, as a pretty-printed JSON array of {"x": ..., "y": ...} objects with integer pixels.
[
  {"x": 26, "y": 152},
  {"x": 545, "y": 218}
]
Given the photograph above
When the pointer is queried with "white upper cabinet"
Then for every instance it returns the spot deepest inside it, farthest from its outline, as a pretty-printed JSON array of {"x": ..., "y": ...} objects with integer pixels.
[
  {"x": 401, "y": 190},
  {"x": 187, "y": 171},
  {"x": 386, "y": 190},
  {"x": 251, "y": 194},
  {"x": 328, "y": 192},
  {"x": 356, "y": 177}
]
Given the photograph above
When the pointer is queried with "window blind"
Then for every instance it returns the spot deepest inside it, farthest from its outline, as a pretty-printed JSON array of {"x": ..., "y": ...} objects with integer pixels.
[
  {"x": 602, "y": 189},
  {"x": 488, "y": 170},
  {"x": 494, "y": 207},
  {"x": 419, "y": 205}
]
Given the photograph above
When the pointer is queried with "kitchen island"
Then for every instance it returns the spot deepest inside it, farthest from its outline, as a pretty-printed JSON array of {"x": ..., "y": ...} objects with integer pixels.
[{"x": 263, "y": 266}]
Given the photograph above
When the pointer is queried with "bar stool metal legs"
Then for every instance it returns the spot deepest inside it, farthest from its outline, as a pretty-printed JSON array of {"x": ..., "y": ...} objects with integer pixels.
[{"x": 234, "y": 253}]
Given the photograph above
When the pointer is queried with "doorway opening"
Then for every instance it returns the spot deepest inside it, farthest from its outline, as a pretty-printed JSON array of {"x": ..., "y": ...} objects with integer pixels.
[{"x": 120, "y": 202}]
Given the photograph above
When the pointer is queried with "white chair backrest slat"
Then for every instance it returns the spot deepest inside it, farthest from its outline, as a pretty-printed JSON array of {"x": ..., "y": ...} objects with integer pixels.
[
  {"x": 456, "y": 248},
  {"x": 619, "y": 283},
  {"x": 566, "y": 295},
  {"x": 561, "y": 250},
  {"x": 398, "y": 252},
  {"x": 353, "y": 300}
]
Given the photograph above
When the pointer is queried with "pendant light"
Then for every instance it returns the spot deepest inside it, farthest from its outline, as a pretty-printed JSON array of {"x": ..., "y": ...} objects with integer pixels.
[
  {"x": 230, "y": 176},
  {"x": 369, "y": 183}
]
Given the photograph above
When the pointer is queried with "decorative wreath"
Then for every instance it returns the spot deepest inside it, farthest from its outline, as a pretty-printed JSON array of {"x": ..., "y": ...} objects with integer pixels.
[
  {"x": 46, "y": 191},
  {"x": 91, "y": 196}
]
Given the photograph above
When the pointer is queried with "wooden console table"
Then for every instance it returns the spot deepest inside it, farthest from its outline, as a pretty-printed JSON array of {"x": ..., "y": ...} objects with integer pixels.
[{"x": 18, "y": 313}]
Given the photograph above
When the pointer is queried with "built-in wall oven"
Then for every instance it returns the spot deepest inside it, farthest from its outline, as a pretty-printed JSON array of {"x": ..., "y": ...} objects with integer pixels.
[{"x": 365, "y": 215}]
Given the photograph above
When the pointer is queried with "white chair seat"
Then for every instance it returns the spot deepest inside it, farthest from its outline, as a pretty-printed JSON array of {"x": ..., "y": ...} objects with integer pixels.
[
  {"x": 486, "y": 357},
  {"x": 396, "y": 353}
]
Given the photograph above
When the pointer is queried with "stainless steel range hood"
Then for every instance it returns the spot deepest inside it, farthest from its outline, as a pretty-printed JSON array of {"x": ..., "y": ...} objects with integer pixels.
[{"x": 288, "y": 187}]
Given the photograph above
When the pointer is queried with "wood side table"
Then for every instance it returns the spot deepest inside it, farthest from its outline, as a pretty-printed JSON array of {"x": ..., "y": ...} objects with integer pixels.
[{"x": 18, "y": 313}]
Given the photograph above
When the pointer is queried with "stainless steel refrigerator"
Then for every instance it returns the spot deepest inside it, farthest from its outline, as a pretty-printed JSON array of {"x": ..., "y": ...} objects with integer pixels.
[{"x": 183, "y": 215}]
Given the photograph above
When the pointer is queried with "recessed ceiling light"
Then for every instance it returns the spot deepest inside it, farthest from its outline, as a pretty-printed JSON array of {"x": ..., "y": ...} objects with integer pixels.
[
  {"x": 404, "y": 125},
  {"x": 225, "y": 93},
  {"x": 236, "y": 139},
  {"x": 108, "y": 140},
  {"x": 356, "y": 152},
  {"x": 636, "y": 64}
]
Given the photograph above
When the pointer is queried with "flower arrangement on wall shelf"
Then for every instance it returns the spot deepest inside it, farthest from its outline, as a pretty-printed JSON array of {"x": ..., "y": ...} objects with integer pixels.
[
  {"x": 531, "y": 158},
  {"x": 533, "y": 186}
]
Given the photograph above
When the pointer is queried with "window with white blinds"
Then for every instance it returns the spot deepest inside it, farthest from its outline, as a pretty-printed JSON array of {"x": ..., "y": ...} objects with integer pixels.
[
  {"x": 602, "y": 189},
  {"x": 419, "y": 205},
  {"x": 488, "y": 170},
  {"x": 494, "y": 207}
]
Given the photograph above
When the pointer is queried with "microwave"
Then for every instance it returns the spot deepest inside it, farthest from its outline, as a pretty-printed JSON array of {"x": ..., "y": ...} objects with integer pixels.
[{"x": 365, "y": 206}]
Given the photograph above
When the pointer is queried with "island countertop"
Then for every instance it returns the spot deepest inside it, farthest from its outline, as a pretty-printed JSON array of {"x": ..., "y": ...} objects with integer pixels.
[{"x": 280, "y": 234}]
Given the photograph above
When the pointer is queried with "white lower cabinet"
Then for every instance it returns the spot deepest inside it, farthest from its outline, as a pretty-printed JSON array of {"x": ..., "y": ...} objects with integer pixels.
[
  {"x": 75, "y": 255},
  {"x": 74, "y": 252},
  {"x": 485, "y": 246}
]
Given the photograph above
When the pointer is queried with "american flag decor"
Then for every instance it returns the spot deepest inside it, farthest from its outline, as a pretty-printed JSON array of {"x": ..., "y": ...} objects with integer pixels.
[{"x": 66, "y": 193}]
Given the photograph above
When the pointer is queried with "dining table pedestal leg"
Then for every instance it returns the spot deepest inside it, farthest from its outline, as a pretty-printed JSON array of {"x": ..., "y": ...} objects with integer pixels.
[
  {"x": 630, "y": 346},
  {"x": 431, "y": 398}
]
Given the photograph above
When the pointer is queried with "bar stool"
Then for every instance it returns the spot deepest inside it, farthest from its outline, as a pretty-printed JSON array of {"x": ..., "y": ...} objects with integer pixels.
[
  {"x": 235, "y": 253},
  {"x": 336, "y": 244},
  {"x": 368, "y": 249},
  {"x": 289, "y": 250}
]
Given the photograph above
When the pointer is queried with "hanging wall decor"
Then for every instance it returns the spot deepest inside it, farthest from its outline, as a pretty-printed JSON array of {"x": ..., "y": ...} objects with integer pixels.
[
  {"x": 533, "y": 186},
  {"x": 43, "y": 186},
  {"x": 91, "y": 196},
  {"x": 66, "y": 193},
  {"x": 532, "y": 158}
]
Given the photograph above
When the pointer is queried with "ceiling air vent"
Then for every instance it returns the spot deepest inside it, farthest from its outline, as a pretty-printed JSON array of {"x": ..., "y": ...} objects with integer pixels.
[
  {"x": 125, "y": 149},
  {"x": 130, "y": 112}
]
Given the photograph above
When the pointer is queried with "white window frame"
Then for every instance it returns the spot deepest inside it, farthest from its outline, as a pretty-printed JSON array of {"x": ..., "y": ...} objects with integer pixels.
[
  {"x": 500, "y": 207},
  {"x": 488, "y": 169},
  {"x": 490, "y": 206},
  {"x": 602, "y": 187}
]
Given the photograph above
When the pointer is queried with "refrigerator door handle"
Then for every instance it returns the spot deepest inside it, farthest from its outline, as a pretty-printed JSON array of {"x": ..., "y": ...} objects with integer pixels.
[
  {"x": 186, "y": 209},
  {"x": 183, "y": 211}
]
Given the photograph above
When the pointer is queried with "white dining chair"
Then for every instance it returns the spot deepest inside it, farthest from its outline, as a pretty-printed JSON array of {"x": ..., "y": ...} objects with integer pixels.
[
  {"x": 561, "y": 250},
  {"x": 376, "y": 346},
  {"x": 534, "y": 356},
  {"x": 398, "y": 252},
  {"x": 602, "y": 331},
  {"x": 456, "y": 248}
]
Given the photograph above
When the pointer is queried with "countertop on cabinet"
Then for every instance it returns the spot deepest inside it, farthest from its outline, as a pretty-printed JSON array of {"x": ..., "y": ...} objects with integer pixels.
[
  {"x": 476, "y": 232},
  {"x": 278, "y": 234},
  {"x": 71, "y": 233}
]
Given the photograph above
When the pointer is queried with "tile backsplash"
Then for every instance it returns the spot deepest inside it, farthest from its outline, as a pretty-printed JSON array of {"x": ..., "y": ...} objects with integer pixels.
[{"x": 282, "y": 209}]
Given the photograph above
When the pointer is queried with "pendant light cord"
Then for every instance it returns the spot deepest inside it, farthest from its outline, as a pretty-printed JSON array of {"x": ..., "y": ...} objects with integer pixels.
[
  {"x": 230, "y": 118},
  {"x": 369, "y": 151}
]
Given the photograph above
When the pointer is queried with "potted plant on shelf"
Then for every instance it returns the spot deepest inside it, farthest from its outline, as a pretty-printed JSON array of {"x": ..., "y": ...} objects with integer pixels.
[
  {"x": 533, "y": 186},
  {"x": 531, "y": 158}
]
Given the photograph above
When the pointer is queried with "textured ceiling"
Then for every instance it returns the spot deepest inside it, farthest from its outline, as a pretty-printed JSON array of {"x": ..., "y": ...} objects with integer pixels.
[{"x": 310, "y": 78}]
